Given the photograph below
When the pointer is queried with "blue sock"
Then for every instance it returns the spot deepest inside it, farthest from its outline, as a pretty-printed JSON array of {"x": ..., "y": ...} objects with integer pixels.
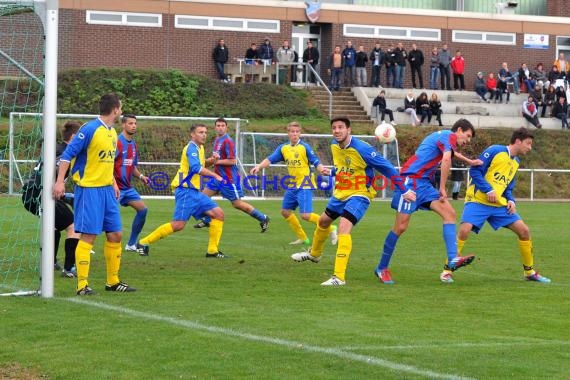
[
  {"x": 389, "y": 246},
  {"x": 207, "y": 219},
  {"x": 257, "y": 215},
  {"x": 450, "y": 238},
  {"x": 137, "y": 227}
]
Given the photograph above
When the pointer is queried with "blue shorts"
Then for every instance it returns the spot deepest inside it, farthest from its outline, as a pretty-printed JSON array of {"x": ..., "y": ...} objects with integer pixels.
[
  {"x": 476, "y": 214},
  {"x": 356, "y": 206},
  {"x": 96, "y": 210},
  {"x": 229, "y": 191},
  {"x": 191, "y": 202},
  {"x": 128, "y": 195},
  {"x": 425, "y": 194},
  {"x": 303, "y": 198}
]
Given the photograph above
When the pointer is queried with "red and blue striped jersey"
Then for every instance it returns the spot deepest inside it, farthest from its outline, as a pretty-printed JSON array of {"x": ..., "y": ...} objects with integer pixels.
[
  {"x": 126, "y": 159},
  {"x": 428, "y": 155},
  {"x": 225, "y": 147}
]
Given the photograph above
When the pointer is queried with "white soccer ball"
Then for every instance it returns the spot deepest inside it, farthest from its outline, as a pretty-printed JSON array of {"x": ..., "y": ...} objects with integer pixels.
[{"x": 385, "y": 133}]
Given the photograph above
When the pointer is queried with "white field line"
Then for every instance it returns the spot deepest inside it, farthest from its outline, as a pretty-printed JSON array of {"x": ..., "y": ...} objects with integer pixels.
[
  {"x": 270, "y": 340},
  {"x": 459, "y": 345}
]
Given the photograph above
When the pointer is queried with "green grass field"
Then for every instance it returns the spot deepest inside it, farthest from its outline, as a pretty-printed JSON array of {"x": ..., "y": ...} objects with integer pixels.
[{"x": 259, "y": 315}]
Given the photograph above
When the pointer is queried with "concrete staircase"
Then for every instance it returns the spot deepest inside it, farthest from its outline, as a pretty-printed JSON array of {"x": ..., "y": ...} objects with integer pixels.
[
  {"x": 344, "y": 104},
  {"x": 494, "y": 115}
]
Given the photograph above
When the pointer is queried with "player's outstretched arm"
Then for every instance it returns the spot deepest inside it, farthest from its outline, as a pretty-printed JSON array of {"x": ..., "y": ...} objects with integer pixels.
[
  {"x": 467, "y": 160},
  {"x": 262, "y": 165}
]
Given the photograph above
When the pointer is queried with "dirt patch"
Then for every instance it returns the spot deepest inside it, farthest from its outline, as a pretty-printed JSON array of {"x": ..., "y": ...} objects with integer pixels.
[{"x": 14, "y": 371}]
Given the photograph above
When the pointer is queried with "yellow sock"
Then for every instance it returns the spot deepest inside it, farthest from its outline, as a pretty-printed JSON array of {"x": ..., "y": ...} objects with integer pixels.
[
  {"x": 215, "y": 234},
  {"x": 314, "y": 218},
  {"x": 319, "y": 238},
  {"x": 525, "y": 248},
  {"x": 160, "y": 233},
  {"x": 112, "y": 252},
  {"x": 460, "y": 244},
  {"x": 296, "y": 227},
  {"x": 342, "y": 254},
  {"x": 82, "y": 261}
]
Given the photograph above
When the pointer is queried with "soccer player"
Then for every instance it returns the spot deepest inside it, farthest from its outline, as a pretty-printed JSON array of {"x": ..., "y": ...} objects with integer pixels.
[
  {"x": 188, "y": 199},
  {"x": 419, "y": 194},
  {"x": 126, "y": 165},
  {"x": 224, "y": 161},
  {"x": 91, "y": 155},
  {"x": 298, "y": 156},
  {"x": 489, "y": 197},
  {"x": 354, "y": 164}
]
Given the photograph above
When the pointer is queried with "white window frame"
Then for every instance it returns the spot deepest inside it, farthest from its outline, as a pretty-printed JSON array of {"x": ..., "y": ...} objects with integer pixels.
[
  {"x": 123, "y": 21},
  {"x": 377, "y": 29},
  {"x": 484, "y": 39},
  {"x": 210, "y": 24}
]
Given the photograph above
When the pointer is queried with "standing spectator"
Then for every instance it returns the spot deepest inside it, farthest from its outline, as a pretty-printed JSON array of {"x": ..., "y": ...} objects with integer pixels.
[
  {"x": 311, "y": 56},
  {"x": 562, "y": 65},
  {"x": 95, "y": 203},
  {"x": 457, "y": 177},
  {"x": 435, "y": 107},
  {"x": 400, "y": 67},
  {"x": 377, "y": 59},
  {"x": 349, "y": 58},
  {"x": 444, "y": 61},
  {"x": 382, "y": 110},
  {"x": 251, "y": 55},
  {"x": 481, "y": 86},
  {"x": 492, "y": 88},
  {"x": 335, "y": 68},
  {"x": 390, "y": 66},
  {"x": 266, "y": 52},
  {"x": 549, "y": 100},
  {"x": 560, "y": 111},
  {"x": 422, "y": 105},
  {"x": 416, "y": 59},
  {"x": 530, "y": 112},
  {"x": 458, "y": 66},
  {"x": 507, "y": 76},
  {"x": 433, "y": 68},
  {"x": 410, "y": 108},
  {"x": 286, "y": 55},
  {"x": 360, "y": 63},
  {"x": 221, "y": 55}
]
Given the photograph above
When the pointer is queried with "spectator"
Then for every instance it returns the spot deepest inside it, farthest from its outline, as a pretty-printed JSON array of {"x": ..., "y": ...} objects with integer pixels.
[
  {"x": 492, "y": 88},
  {"x": 390, "y": 66},
  {"x": 410, "y": 108},
  {"x": 536, "y": 94},
  {"x": 526, "y": 78},
  {"x": 377, "y": 59},
  {"x": 560, "y": 111},
  {"x": 349, "y": 58},
  {"x": 481, "y": 87},
  {"x": 562, "y": 65},
  {"x": 400, "y": 67},
  {"x": 360, "y": 63},
  {"x": 530, "y": 112},
  {"x": 549, "y": 100},
  {"x": 541, "y": 76},
  {"x": 433, "y": 68},
  {"x": 286, "y": 55},
  {"x": 335, "y": 68},
  {"x": 251, "y": 55},
  {"x": 444, "y": 61},
  {"x": 508, "y": 77},
  {"x": 220, "y": 55},
  {"x": 311, "y": 56},
  {"x": 422, "y": 105},
  {"x": 382, "y": 110},
  {"x": 416, "y": 59},
  {"x": 435, "y": 107},
  {"x": 458, "y": 66},
  {"x": 503, "y": 84},
  {"x": 266, "y": 52},
  {"x": 560, "y": 92},
  {"x": 553, "y": 76},
  {"x": 457, "y": 176}
]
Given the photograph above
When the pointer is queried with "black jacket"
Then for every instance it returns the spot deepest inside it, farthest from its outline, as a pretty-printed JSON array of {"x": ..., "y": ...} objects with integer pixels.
[
  {"x": 416, "y": 58},
  {"x": 220, "y": 54}
]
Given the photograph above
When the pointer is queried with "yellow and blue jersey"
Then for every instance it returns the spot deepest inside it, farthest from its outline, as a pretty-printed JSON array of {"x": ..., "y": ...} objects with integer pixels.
[
  {"x": 92, "y": 154},
  {"x": 191, "y": 162},
  {"x": 496, "y": 174},
  {"x": 298, "y": 158},
  {"x": 354, "y": 169}
]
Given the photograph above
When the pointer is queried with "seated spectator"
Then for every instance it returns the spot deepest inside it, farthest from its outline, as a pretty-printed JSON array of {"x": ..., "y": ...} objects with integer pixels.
[
  {"x": 549, "y": 100},
  {"x": 541, "y": 76},
  {"x": 553, "y": 76},
  {"x": 536, "y": 93},
  {"x": 422, "y": 106},
  {"x": 503, "y": 88},
  {"x": 410, "y": 108},
  {"x": 560, "y": 111},
  {"x": 560, "y": 92},
  {"x": 481, "y": 86},
  {"x": 251, "y": 56},
  {"x": 435, "y": 107},
  {"x": 492, "y": 87},
  {"x": 507, "y": 76},
  {"x": 530, "y": 112},
  {"x": 526, "y": 78},
  {"x": 382, "y": 110}
]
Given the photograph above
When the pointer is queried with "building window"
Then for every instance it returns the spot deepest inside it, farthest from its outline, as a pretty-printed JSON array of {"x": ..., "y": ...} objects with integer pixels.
[
  {"x": 224, "y": 23},
  {"x": 391, "y": 32},
  {"x": 475, "y": 37},
  {"x": 124, "y": 18}
]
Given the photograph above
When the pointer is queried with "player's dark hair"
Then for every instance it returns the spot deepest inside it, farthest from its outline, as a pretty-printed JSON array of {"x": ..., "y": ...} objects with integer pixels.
[
  {"x": 464, "y": 125},
  {"x": 521, "y": 134},
  {"x": 108, "y": 102},
  {"x": 221, "y": 120},
  {"x": 69, "y": 129},
  {"x": 194, "y": 126},
  {"x": 128, "y": 116},
  {"x": 345, "y": 120}
]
